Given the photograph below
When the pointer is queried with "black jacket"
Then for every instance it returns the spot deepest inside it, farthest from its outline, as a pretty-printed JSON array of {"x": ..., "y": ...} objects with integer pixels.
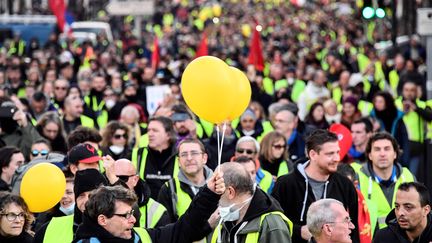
[
  {"x": 290, "y": 191},
  {"x": 192, "y": 226},
  {"x": 393, "y": 233},
  {"x": 159, "y": 168},
  {"x": 142, "y": 190},
  {"x": 4, "y": 186},
  {"x": 24, "y": 237},
  {"x": 260, "y": 204}
]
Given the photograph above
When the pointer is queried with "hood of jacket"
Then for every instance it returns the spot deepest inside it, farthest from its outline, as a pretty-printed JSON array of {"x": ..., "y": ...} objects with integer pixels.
[
  {"x": 143, "y": 192},
  {"x": 207, "y": 174}
]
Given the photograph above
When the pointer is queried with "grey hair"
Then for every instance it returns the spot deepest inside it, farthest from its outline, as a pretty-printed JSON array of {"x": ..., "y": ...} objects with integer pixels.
[
  {"x": 249, "y": 139},
  {"x": 320, "y": 213},
  {"x": 236, "y": 176}
]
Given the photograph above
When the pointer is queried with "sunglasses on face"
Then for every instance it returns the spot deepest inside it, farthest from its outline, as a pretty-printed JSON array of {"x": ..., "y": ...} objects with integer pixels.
[
  {"x": 42, "y": 152},
  {"x": 118, "y": 136},
  {"x": 278, "y": 146},
  {"x": 247, "y": 151},
  {"x": 61, "y": 88},
  {"x": 124, "y": 178}
]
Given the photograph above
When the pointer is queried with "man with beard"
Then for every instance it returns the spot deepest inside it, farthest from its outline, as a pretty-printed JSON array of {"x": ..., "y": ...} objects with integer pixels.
[
  {"x": 313, "y": 180},
  {"x": 410, "y": 221}
]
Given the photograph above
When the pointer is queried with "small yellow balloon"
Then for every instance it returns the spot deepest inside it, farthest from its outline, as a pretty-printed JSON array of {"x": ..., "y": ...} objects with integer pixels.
[
  {"x": 217, "y": 10},
  {"x": 246, "y": 30},
  {"x": 42, "y": 187},
  {"x": 207, "y": 88},
  {"x": 243, "y": 94}
]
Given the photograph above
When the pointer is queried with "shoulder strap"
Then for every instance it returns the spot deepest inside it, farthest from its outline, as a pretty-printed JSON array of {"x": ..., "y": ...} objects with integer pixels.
[{"x": 173, "y": 196}]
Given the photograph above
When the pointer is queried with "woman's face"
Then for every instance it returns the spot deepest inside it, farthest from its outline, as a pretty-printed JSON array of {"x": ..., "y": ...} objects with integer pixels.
[
  {"x": 278, "y": 148},
  {"x": 69, "y": 196},
  {"x": 379, "y": 103},
  {"x": 119, "y": 137},
  {"x": 12, "y": 221},
  {"x": 348, "y": 109},
  {"x": 51, "y": 130},
  {"x": 73, "y": 91},
  {"x": 318, "y": 113}
]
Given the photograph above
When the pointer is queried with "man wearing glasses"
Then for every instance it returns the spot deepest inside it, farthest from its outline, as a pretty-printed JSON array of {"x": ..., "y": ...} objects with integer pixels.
[
  {"x": 177, "y": 194},
  {"x": 153, "y": 214},
  {"x": 109, "y": 217},
  {"x": 328, "y": 221}
]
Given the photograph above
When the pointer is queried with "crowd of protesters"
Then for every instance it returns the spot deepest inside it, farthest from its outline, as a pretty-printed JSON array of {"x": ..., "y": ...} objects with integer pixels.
[{"x": 83, "y": 106}]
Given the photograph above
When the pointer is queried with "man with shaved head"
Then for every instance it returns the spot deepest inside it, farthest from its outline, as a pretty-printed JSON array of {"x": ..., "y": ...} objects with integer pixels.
[
  {"x": 246, "y": 211},
  {"x": 153, "y": 214}
]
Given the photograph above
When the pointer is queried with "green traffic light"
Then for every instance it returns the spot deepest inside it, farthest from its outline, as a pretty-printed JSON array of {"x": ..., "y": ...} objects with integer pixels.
[
  {"x": 380, "y": 13},
  {"x": 368, "y": 13}
]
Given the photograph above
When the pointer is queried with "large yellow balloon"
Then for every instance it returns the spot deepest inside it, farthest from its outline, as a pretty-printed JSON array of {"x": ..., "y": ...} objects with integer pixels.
[
  {"x": 42, "y": 187},
  {"x": 207, "y": 88},
  {"x": 243, "y": 93}
]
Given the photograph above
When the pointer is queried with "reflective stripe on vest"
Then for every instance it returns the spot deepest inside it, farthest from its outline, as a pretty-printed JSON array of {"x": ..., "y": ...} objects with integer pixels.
[
  {"x": 413, "y": 122},
  {"x": 394, "y": 80},
  {"x": 183, "y": 199},
  {"x": 143, "y": 235},
  {"x": 253, "y": 237},
  {"x": 207, "y": 126},
  {"x": 265, "y": 180},
  {"x": 60, "y": 229},
  {"x": 283, "y": 169},
  {"x": 151, "y": 213},
  {"x": 143, "y": 161},
  {"x": 371, "y": 190},
  {"x": 86, "y": 121}
]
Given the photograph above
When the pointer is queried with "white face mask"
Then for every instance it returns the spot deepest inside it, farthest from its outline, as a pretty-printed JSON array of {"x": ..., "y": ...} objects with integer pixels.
[
  {"x": 116, "y": 149},
  {"x": 230, "y": 214},
  {"x": 110, "y": 103},
  {"x": 69, "y": 210}
]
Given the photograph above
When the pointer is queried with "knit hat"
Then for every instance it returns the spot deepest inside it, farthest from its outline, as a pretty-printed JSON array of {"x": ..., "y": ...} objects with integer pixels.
[
  {"x": 248, "y": 113},
  {"x": 87, "y": 180}
]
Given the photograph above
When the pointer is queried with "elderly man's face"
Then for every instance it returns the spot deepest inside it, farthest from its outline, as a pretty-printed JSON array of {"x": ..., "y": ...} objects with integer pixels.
[
  {"x": 342, "y": 226},
  {"x": 121, "y": 223},
  {"x": 247, "y": 149}
]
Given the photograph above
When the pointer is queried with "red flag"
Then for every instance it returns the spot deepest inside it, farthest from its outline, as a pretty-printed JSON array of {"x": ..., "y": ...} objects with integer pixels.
[
  {"x": 155, "y": 54},
  {"x": 202, "y": 48},
  {"x": 255, "y": 51},
  {"x": 364, "y": 222},
  {"x": 58, "y": 8}
]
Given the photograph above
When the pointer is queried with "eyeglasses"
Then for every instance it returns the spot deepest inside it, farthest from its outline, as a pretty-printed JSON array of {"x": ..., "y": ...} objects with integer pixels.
[
  {"x": 347, "y": 221},
  {"x": 124, "y": 178},
  {"x": 118, "y": 136},
  {"x": 125, "y": 215},
  {"x": 247, "y": 151},
  {"x": 42, "y": 152},
  {"x": 193, "y": 154},
  {"x": 278, "y": 146},
  {"x": 12, "y": 216},
  {"x": 60, "y": 88}
]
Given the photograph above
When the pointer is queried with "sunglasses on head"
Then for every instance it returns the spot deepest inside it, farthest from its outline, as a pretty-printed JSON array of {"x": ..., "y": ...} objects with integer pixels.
[
  {"x": 42, "y": 152},
  {"x": 247, "y": 151},
  {"x": 118, "y": 136}
]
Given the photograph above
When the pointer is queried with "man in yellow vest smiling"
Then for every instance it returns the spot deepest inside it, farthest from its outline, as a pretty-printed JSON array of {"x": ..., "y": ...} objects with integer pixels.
[
  {"x": 177, "y": 194},
  {"x": 380, "y": 177}
]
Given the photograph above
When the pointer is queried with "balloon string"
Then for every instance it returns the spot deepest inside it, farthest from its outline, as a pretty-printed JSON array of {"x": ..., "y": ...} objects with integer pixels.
[
  {"x": 221, "y": 146},
  {"x": 218, "y": 143}
]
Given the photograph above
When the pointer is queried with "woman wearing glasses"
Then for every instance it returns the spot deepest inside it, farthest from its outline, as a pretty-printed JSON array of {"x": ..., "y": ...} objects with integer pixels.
[
  {"x": 115, "y": 140},
  {"x": 15, "y": 219},
  {"x": 274, "y": 154}
]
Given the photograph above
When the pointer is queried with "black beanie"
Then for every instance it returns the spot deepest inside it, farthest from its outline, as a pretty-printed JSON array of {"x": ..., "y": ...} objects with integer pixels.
[{"x": 87, "y": 180}]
